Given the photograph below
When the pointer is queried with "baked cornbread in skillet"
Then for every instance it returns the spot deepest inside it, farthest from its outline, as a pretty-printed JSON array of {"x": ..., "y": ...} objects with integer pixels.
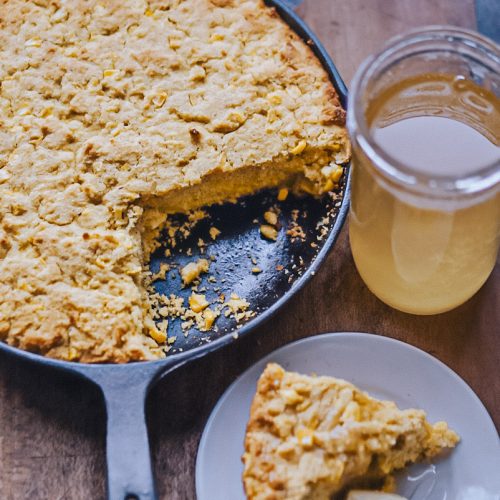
[
  {"x": 114, "y": 114},
  {"x": 309, "y": 437}
]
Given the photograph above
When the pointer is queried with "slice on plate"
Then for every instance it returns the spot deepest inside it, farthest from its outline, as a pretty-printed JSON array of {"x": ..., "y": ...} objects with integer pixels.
[{"x": 310, "y": 437}]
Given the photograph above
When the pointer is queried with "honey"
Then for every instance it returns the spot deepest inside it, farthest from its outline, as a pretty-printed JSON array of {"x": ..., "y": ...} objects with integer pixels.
[{"x": 419, "y": 252}]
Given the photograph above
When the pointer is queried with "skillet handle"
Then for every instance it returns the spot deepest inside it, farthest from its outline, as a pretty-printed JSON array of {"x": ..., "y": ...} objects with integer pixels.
[
  {"x": 125, "y": 388},
  {"x": 130, "y": 473}
]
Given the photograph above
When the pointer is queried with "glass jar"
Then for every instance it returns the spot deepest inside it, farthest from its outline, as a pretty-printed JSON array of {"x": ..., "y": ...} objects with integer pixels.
[{"x": 424, "y": 240}]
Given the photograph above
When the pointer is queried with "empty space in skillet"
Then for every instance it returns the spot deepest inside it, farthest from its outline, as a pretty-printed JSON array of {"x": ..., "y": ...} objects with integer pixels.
[{"x": 238, "y": 249}]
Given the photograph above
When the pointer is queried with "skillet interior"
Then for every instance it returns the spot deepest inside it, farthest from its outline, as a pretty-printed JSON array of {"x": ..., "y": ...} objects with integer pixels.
[{"x": 238, "y": 249}]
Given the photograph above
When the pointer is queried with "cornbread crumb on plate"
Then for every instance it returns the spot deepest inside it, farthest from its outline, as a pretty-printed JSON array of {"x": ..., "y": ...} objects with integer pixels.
[
  {"x": 311, "y": 437},
  {"x": 115, "y": 114}
]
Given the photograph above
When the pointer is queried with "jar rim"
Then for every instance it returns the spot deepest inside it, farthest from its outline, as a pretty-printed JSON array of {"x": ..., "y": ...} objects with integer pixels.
[{"x": 485, "y": 177}]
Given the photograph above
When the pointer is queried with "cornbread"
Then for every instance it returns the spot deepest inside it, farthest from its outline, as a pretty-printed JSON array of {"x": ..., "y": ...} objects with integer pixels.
[
  {"x": 116, "y": 113},
  {"x": 309, "y": 437}
]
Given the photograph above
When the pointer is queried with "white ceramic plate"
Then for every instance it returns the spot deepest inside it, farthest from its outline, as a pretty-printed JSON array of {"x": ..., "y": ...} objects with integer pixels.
[{"x": 387, "y": 369}]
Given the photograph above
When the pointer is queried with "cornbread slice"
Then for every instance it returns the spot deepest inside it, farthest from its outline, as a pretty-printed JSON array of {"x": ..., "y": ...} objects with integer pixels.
[
  {"x": 114, "y": 113},
  {"x": 309, "y": 437}
]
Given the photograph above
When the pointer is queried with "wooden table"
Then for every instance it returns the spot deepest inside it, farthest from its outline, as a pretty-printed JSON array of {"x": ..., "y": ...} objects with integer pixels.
[{"x": 52, "y": 427}]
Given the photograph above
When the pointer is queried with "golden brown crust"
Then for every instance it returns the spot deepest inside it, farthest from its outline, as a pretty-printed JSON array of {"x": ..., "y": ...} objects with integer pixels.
[
  {"x": 309, "y": 437},
  {"x": 106, "y": 105}
]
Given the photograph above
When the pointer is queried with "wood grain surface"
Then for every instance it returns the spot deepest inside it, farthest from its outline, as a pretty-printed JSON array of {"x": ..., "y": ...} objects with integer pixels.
[{"x": 52, "y": 427}]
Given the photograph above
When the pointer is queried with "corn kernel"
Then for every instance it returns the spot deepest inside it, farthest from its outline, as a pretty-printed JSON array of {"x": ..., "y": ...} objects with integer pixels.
[
  {"x": 71, "y": 52},
  {"x": 132, "y": 27},
  {"x": 256, "y": 270},
  {"x": 159, "y": 337},
  {"x": 33, "y": 42},
  {"x": 110, "y": 72},
  {"x": 46, "y": 112},
  {"x": 291, "y": 396},
  {"x": 4, "y": 176},
  {"x": 313, "y": 421},
  {"x": 17, "y": 209},
  {"x": 217, "y": 37},
  {"x": 159, "y": 99},
  {"x": 148, "y": 13},
  {"x": 72, "y": 354},
  {"x": 273, "y": 115},
  {"x": 269, "y": 232},
  {"x": 134, "y": 270},
  {"x": 102, "y": 262},
  {"x": 282, "y": 194},
  {"x": 285, "y": 450},
  {"x": 337, "y": 174},
  {"x": 35, "y": 136},
  {"x": 93, "y": 83},
  {"x": 59, "y": 15},
  {"x": 351, "y": 412},
  {"x": 299, "y": 147},
  {"x": 327, "y": 170},
  {"x": 209, "y": 318},
  {"x": 221, "y": 163},
  {"x": 305, "y": 437},
  {"x": 214, "y": 232},
  {"x": 274, "y": 98},
  {"x": 333, "y": 173},
  {"x": 198, "y": 302},
  {"x": 304, "y": 405},
  {"x": 236, "y": 116},
  {"x": 24, "y": 110},
  {"x": 275, "y": 407},
  {"x": 328, "y": 186},
  {"x": 271, "y": 218},
  {"x": 174, "y": 42},
  {"x": 197, "y": 73},
  {"x": 116, "y": 131}
]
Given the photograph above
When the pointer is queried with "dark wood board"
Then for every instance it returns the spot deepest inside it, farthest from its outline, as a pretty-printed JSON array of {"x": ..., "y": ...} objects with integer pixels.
[{"x": 52, "y": 426}]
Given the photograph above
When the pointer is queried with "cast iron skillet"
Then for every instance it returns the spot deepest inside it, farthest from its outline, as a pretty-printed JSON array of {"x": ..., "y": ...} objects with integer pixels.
[{"x": 286, "y": 266}]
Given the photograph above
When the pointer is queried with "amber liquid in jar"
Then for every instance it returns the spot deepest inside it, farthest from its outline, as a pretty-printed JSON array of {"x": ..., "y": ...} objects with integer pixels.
[{"x": 427, "y": 256}]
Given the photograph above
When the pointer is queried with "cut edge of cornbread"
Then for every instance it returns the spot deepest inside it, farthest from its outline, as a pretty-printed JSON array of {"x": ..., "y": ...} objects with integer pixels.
[
  {"x": 299, "y": 174},
  {"x": 310, "y": 437}
]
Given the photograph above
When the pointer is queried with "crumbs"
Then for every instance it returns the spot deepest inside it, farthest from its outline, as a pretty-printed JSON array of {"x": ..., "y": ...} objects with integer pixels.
[
  {"x": 198, "y": 312},
  {"x": 206, "y": 297}
]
